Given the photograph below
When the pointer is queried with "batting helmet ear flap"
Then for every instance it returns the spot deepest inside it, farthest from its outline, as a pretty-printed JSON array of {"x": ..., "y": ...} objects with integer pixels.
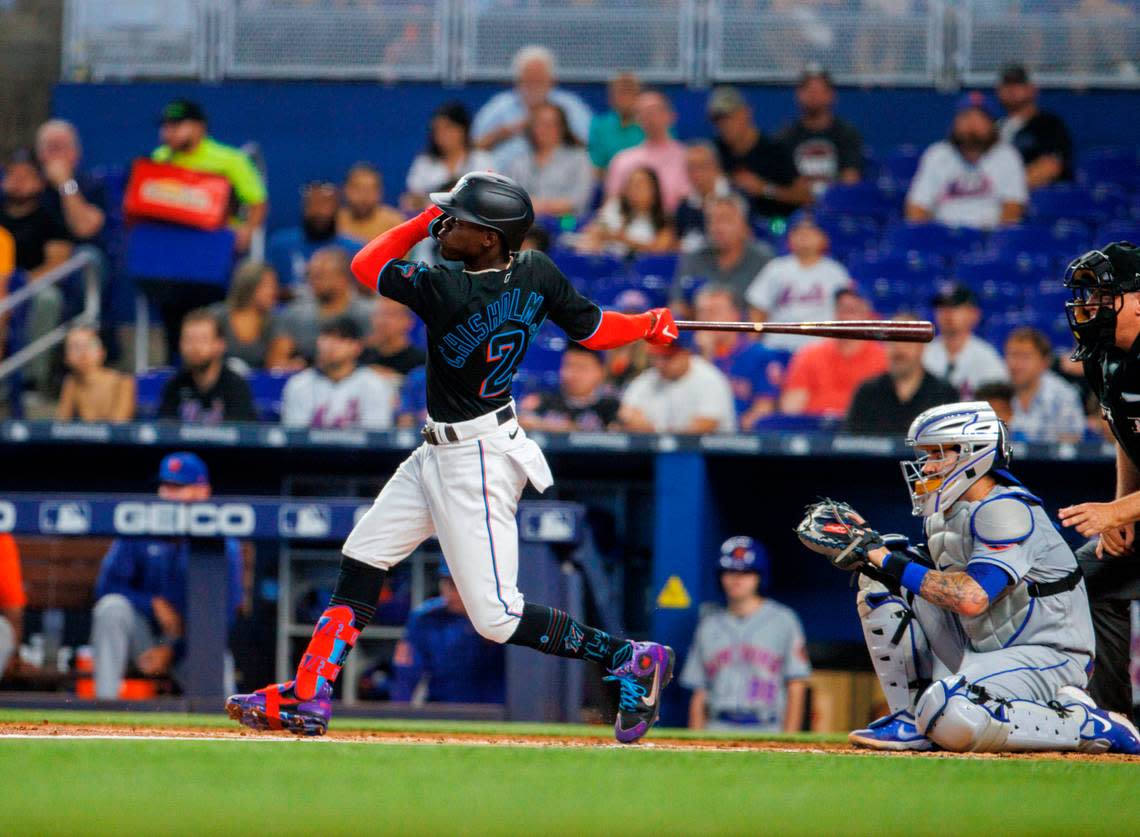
[{"x": 436, "y": 224}]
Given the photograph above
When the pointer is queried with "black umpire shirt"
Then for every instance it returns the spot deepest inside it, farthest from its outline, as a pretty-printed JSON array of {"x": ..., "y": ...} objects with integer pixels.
[
  {"x": 1114, "y": 378},
  {"x": 480, "y": 323}
]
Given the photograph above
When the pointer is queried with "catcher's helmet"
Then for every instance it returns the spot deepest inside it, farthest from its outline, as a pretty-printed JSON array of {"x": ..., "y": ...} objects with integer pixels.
[
  {"x": 1097, "y": 281},
  {"x": 743, "y": 555},
  {"x": 972, "y": 429},
  {"x": 489, "y": 200}
]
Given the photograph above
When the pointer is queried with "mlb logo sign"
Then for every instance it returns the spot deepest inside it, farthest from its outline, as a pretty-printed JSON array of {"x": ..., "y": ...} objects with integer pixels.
[
  {"x": 304, "y": 521},
  {"x": 66, "y": 518}
]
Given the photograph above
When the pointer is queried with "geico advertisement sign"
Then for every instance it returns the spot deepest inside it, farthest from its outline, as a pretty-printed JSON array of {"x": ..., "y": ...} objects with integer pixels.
[{"x": 232, "y": 520}]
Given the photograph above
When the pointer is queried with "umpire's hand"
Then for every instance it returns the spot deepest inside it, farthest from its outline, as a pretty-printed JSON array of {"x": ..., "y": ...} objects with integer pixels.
[{"x": 1103, "y": 519}]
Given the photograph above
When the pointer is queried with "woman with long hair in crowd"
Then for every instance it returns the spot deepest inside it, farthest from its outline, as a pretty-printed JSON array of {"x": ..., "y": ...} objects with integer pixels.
[
  {"x": 449, "y": 155},
  {"x": 91, "y": 391},
  {"x": 246, "y": 316},
  {"x": 632, "y": 222}
]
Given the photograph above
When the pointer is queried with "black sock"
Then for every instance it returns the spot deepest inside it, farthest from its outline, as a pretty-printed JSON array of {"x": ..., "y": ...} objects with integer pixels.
[
  {"x": 555, "y": 632},
  {"x": 358, "y": 587}
]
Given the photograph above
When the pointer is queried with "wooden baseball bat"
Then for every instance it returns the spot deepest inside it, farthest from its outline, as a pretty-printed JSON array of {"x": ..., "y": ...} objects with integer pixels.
[{"x": 902, "y": 331}]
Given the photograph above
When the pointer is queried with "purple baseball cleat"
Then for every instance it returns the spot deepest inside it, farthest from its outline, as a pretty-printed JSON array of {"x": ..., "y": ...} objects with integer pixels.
[
  {"x": 277, "y": 707},
  {"x": 641, "y": 679}
]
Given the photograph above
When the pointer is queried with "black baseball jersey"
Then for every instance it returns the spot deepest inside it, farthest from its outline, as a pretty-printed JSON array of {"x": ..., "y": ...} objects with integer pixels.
[
  {"x": 480, "y": 323},
  {"x": 1114, "y": 376}
]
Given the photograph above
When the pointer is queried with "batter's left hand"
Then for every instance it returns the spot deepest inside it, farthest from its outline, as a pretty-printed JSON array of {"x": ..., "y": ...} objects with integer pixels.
[
  {"x": 1090, "y": 518},
  {"x": 662, "y": 329}
]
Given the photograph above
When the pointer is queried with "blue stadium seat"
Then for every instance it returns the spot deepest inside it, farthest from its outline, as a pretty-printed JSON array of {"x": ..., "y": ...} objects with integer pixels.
[
  {"x": 586, "y": 266},
  {"x": 544, "y": 354},
  {"x": 896, "y": 281},
  {"x": 1099, "y": 171},
  {"x": 933, "y": 239},
  {"x": 171, "y": 252},
  {"x": 1096, "y": 206},
  {"x": 860, "y": 199},
  {"x": 898, "y": 166},
  {"x": 778, "y": 422},
  {"x": 1117, "y": 231},
  {"x": 1001, "y": 284},
  {"x": 267, "y": 388},
  {"x": 850, "y": 235},
  {"x": 655, "y": 264},
  {"x": 1061, "y": 237},
  {"x": 149, "y": 386}
]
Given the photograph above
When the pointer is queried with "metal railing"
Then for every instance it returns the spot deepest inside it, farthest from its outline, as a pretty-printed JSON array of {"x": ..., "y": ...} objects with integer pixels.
[
  {"x": 81, "y": 261},
  {"x": 899, "y": 42}
]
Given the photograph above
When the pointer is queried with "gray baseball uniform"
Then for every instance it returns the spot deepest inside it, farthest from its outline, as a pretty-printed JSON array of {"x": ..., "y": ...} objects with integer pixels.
[{"x": 745, "y": 664}]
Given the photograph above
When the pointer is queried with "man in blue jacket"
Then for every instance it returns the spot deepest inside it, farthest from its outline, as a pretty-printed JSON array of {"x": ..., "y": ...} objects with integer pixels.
[{"x": 140, "y": 597}]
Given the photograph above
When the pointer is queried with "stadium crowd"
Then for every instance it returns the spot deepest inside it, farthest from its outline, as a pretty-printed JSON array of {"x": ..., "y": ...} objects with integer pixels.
[{"x": 804, "y": 223}]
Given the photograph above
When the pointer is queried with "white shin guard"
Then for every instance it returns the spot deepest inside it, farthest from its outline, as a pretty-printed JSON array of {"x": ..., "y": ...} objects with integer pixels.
[
  {"x": 961, "y": 717},
  {"x": 898, "y": 647}
]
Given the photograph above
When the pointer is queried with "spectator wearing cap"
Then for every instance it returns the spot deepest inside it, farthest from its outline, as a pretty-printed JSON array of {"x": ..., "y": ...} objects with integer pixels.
[
  {"x": 388, "y": 349},
  {"x": 747, "y": 666},
  {"x": 659, "y": 152},
  {"x": 957, "y": 354},
  {"x": 186, "y": 143},
  {"x": 364, "y": 215},
  {"x": 826, "y": 148},
  {"x": 1040, "y": 137},
  {"x": 13, "y": 600},
  {"x": 331, "y": 292},
  {"x": 732, "y": 257},
  {"x": 754, "y": 371},
  {"x": 76, "y": 196},
  {"x": 759, "y": 167},
  {"x": 886, "y": 405},
  {"x": 680, "y": 393},
  {"x": 972, "y": 179},
  {"x": 205, "y": 391},
  {"x": 140, "y": 595},
  {"x": 290, "y": 249},
  {"x": 707, "y": 183},
  {"x": 500, "y": 124},
  {"x": 1045, "y": 408},
  {"x": 616, "y": 129},
  {"x": 553, "y": 167},
  {"x": 582, "y": 400},
  {"x": 91, "y": 391},
  {"x": 338, "y": 393},
  {"x": 441, "y": 659},
  {"x": 799, "y": 287},
  {"x": 449, "y": 155},
  {"x": 247, "y": 318},
  {"x": 823, "y": 376}
]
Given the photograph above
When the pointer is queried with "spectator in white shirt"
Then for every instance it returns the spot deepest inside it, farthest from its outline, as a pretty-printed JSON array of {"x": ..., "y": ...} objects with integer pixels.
[
  {"x": 957, "y": 354},
  {"x": 339, "y": 393},
  {"x": 500, "y": 124},
  {"x": 1045, "y": 407},
  {"x": 555, "y": 169},
  {"x": 447, "y": 158},
  {"x": 972, "y": 179},
  {"x": 681, "y": 393},
  {"x": 800, "y": 286}
]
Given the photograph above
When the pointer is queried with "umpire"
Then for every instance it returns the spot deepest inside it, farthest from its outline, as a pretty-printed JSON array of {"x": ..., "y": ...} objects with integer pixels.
[{"x": 1104, "y": 314}]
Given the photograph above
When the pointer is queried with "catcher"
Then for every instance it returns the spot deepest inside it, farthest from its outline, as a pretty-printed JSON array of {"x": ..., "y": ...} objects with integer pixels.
[{"x": 982, "y": 640}]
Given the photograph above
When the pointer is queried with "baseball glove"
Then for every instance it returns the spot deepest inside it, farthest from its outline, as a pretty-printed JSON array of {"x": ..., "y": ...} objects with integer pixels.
[{"x": 840, "y": 533}]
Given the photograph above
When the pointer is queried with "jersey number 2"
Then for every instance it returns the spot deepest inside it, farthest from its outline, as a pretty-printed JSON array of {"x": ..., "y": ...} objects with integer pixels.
[{"x": 506, "y": 348}]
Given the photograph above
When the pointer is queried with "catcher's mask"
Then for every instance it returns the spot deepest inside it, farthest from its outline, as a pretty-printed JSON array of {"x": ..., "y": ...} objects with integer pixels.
[
  {"x": 973, "y": 432},
  {"x": 1098, "y": 281}
]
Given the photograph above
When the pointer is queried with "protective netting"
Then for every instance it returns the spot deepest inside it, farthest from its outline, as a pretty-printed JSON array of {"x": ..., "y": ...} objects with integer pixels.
[{"x": 133, "y": 39}]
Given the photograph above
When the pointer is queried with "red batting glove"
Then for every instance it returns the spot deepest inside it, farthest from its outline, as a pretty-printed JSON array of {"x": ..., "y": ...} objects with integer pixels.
[{"x": 662, "y": 328}]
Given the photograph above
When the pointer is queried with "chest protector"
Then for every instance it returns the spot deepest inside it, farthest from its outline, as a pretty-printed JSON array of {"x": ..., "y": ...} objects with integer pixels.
[{"x": 951, "y": 538}]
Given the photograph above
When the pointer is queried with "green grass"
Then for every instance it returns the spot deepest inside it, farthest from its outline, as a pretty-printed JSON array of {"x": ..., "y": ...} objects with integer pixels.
[{"x": 302, "y": 787}]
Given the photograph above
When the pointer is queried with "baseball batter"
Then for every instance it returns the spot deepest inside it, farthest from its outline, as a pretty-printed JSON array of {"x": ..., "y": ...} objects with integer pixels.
[
  {"x": 747, "y": 666},
  {"x": 983, "y": 642},
  {"x": 463, "y": 484}
]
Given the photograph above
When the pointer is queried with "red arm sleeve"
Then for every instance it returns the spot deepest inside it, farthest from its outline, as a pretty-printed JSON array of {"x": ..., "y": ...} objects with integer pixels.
[
  {"x": 618, "y": 329},
  {"x": 393, "y": 244}
]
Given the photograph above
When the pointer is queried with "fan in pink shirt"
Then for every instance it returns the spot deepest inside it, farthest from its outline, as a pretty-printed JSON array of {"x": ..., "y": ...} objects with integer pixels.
[{"x": 659, "y": 151}]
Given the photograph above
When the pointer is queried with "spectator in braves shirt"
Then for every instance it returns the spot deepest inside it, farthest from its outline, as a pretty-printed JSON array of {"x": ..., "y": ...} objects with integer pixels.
[
  {"x": 339, "y": 393},
  {"x": 748, "y": 665}
]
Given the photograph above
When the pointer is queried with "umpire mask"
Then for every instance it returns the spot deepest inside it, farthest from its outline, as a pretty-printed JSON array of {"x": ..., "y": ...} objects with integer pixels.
[{"x": 1098, "y": 281}]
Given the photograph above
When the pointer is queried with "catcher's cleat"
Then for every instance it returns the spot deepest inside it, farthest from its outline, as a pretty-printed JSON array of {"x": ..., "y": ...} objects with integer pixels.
[
  {"x": 641, "y": 679},
  {"x": 277, "y": 707},
  {"x": 891, "y": 732},
  {"x": 1102, "y": 731}
]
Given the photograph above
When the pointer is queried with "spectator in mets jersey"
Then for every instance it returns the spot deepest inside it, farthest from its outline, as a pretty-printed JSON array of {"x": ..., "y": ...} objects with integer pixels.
[{"x": 748, "y": 664}]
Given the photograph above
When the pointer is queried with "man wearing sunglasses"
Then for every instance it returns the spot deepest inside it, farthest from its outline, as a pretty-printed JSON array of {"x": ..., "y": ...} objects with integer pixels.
[{"x": 1104, "y": 315}]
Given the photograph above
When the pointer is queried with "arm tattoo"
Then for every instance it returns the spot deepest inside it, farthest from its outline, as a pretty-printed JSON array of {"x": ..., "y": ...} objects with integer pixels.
[{"x": 954, "y": 591}]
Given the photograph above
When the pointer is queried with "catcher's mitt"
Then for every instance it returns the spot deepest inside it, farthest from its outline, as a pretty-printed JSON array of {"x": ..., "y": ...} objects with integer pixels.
[{"x": 840, "y": 533}]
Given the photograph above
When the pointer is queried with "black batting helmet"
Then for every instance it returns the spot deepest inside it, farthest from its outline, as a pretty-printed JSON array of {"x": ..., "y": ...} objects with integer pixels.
[{"x": 489, "y": 200}]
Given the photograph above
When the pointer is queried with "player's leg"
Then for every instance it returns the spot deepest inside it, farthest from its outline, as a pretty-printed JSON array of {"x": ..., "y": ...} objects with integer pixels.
[
  {"x": 473, "y": 491},
  {"x": 119, "y": 633},
  {"x": 1023, "y": 698},
  {"x": 389, "y": 531}
]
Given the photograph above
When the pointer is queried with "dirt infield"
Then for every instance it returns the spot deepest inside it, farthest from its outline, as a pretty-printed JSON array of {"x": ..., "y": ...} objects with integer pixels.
[{"x": 47, "y": 729}]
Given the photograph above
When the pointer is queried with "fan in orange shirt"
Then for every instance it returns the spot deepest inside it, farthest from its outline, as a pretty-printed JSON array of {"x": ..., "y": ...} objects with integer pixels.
[{"x": 12, "y": 601}]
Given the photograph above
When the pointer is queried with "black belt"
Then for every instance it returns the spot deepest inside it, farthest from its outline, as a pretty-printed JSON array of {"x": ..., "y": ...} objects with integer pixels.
[
  {"x": 446, "y": 433},
  {"x": 1039, "y": 589}
]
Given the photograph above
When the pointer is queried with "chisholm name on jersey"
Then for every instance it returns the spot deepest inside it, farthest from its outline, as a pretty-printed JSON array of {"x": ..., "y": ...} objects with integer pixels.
[{"x": 461, "y": 341}]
